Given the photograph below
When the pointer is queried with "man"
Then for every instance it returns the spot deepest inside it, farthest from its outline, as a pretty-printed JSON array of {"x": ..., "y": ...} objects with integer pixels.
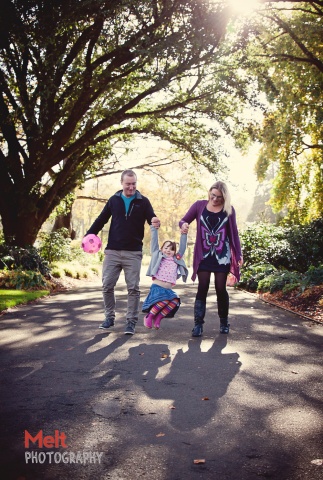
[{"x": 128, "y": 210}]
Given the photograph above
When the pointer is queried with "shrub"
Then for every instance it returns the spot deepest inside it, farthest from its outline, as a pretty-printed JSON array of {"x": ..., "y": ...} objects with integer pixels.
[
  {"x": 266, "y": 278},
  {"x": 22, "y": 279},
  {"x": 289, "y": 287},
  {"x": 306, "y": 242},
  {"x": 95, "y": 270},
  {"x": 278, "y": 280},
  {"x": 73, "y": 269},
  {"x": 294, "y": 248},
  {"x": 69, "y": 272},
  {"x": 56, "y": 273},
  {"x": 251, "y": 276},
  {"x": 314, "y": 276},
  {"x": 55, "y": 245},
  {"x": 264, "y": 244},
  {"x": 77, "y": 252},
  {"x": 13, "y": 257}
]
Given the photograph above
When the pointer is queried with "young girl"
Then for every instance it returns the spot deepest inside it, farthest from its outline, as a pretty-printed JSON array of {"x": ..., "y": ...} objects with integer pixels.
[{"x": 166, "y": 266}]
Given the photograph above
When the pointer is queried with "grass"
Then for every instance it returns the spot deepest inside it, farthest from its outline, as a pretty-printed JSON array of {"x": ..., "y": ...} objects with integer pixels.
[
  {"x": 74, "y": 269},
  {"x": 11, "y": 298}
]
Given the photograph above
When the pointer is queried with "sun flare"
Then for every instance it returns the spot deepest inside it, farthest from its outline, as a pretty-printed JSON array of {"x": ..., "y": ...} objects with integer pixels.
[{"x": 243, "y": 6}]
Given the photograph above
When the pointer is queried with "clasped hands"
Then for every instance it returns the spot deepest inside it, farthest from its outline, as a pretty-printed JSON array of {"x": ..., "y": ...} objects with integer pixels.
[
  {"x": 155, "y": 222},
  {"x": 184, "y": 228}
]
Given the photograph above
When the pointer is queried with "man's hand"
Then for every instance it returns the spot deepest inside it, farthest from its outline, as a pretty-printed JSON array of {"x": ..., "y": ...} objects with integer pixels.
[
  {"x": 184, "y": 228},
  {"x": 155, "y": 222}
]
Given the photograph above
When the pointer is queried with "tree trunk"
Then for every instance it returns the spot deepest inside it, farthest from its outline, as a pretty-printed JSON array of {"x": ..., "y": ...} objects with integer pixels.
[
  {"x": 21, "y": 218},
  {"x": 20, "y": 230},
  {"x": 64, "y": 221}
]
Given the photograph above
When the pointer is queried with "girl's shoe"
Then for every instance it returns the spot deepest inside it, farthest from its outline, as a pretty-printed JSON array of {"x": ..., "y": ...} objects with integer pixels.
[
  {"x": 158, "y": 319},
  {"x": 148, "y": 320}
]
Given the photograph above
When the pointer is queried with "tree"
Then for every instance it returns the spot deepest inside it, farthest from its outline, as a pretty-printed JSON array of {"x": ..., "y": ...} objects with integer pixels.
[
  {"x": 287, "y": 55},
  {"x": 78, "y": 75},
  {"x": 75, "y": 75}
]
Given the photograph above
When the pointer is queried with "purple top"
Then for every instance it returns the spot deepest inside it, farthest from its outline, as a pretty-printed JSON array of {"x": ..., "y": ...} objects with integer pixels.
[{"x": 194, "y": 213}]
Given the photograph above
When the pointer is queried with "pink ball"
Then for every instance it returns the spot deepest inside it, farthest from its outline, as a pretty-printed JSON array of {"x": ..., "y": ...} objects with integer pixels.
[{"x": 91, "y": 243}]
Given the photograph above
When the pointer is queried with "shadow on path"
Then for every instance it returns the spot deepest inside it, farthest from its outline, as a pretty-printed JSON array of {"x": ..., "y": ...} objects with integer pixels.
[{"x": 249, "y": 402}]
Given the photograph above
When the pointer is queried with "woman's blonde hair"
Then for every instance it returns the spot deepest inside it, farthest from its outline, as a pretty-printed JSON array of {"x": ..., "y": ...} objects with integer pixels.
[{"x": 221, "y": 186}]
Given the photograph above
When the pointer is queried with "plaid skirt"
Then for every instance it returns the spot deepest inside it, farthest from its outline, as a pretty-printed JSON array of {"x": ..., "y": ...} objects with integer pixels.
[{"x": 157, "y": 294}]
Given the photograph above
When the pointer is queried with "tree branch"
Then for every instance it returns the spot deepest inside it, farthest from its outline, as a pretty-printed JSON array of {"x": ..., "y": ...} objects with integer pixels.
[{"x": 311, "y": 57}]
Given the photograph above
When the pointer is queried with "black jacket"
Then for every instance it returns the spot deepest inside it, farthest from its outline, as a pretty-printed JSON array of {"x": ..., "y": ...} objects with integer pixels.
[{"x": 126, "y": 230}]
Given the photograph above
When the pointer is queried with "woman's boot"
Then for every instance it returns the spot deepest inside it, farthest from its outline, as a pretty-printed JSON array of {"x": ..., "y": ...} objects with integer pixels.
[
  {"x": 199, "y": 314},
  {"x": 224, "y": 325}
]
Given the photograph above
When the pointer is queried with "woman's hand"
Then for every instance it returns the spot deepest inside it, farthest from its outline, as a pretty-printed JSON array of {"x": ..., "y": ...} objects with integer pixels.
[
  {"x": 184, "y": 228},
  {"x": 240, "y": 262}
]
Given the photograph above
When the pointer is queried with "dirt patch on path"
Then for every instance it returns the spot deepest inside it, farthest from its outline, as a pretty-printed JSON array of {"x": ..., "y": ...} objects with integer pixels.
[{"x": 308, "y": 303}]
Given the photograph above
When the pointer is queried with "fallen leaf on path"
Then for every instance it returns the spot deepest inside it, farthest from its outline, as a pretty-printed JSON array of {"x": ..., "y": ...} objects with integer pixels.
[
  {"x": 199, "y": 460},
  {"x": 205, "y": 398},
  {"x": 164, "y": 355},
  {"x": 318, "y": 461},
  {"x": 160, "y": 434}
]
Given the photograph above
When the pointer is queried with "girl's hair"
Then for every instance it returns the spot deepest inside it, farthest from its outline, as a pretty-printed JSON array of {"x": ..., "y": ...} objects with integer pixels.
[
  {"x": 221, "y": 186},
  {"x": 172, "y": 245}
]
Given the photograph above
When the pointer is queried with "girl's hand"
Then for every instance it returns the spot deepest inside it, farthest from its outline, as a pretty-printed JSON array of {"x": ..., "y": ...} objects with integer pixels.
[{"x": 240, "y": 262}]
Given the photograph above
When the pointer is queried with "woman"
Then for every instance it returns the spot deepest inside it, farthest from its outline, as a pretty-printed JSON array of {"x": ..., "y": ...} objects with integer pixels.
[{"x": 217, "y": 249}]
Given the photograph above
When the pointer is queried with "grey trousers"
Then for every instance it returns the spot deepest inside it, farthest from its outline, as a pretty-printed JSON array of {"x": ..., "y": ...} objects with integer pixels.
[{"x": 130, "y": 263}]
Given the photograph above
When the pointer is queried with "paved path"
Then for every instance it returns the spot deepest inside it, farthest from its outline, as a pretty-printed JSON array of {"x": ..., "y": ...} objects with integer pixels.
[{"x": 249, "y": 404}]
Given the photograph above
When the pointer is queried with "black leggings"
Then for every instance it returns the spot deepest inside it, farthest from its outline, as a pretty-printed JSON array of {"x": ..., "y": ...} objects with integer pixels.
[{"x": 220, "y": 281}]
